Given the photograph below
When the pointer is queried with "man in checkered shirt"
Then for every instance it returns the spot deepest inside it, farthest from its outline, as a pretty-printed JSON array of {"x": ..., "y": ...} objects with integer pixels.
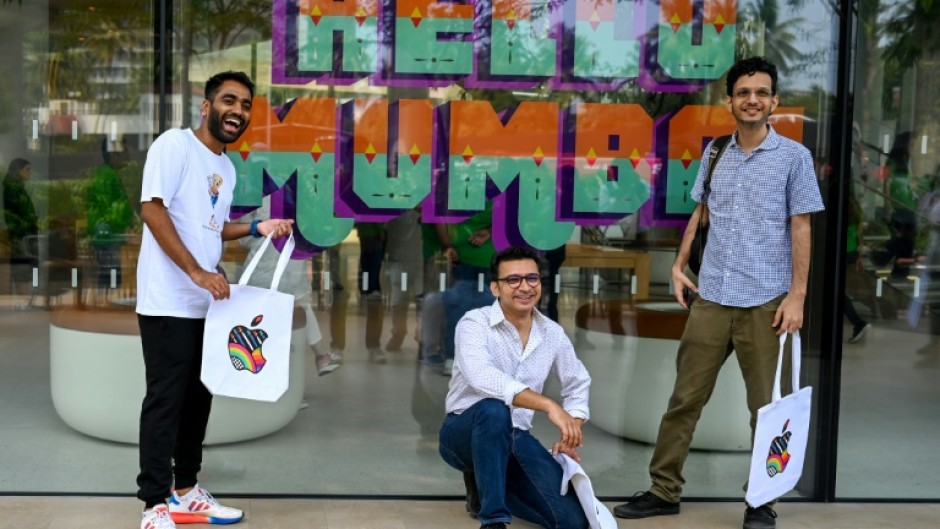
[{"x": 752, "y": 282}]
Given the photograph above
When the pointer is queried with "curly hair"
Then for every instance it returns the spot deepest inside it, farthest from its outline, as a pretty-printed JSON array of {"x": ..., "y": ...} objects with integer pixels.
[{"x": 749, "y": 67}]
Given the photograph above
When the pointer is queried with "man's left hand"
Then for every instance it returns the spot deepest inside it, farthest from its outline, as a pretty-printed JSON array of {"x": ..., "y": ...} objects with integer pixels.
[
  {"x": 280, "y": 227},
  {"x": 570, "y": 451},
  {"x": 789, "y": 316},
  {"x": 480, "y": 237}
]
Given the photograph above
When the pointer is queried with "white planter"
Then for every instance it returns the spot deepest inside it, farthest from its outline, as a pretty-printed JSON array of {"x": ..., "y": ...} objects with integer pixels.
[
  {"x": 632, "y": 380},
  {"x": 98, "y": 386}
]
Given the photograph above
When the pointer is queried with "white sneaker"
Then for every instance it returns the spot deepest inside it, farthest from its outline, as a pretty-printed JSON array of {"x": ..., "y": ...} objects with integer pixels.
[
  {"x": 377, "y": 356},
  {"x": 198, "y": 506},
  {"x": 325, "y": 364},
  {"x": 157, "y": 518},
  {"x": 336, "y": 356},
  {"x": 859, "y": 332}
]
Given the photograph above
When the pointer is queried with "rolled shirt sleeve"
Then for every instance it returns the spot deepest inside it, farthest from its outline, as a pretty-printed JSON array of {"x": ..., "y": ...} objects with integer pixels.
[{"x": 575, "y": 383}]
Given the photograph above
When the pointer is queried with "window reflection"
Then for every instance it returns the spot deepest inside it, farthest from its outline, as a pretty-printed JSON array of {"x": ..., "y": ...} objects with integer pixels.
[
  {"x": 893, "y": 286},
  {"x": 85, "y": 110}
]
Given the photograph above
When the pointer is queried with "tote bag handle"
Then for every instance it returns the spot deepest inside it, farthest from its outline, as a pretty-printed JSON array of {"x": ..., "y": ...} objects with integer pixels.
[
  {"x": 282, "y": 261},
  {"x": 795, "y": 352}
]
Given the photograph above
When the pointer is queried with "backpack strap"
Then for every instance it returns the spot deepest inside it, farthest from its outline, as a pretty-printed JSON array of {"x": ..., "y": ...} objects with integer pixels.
[{"x": 714, "y": 154}]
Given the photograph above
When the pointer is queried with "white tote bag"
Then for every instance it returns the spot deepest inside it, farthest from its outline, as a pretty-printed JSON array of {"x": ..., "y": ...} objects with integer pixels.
[
  {"x": 780, "y": 436},
  {"x": 246, "y": 347},
  {"x": 596, "y": 512}
]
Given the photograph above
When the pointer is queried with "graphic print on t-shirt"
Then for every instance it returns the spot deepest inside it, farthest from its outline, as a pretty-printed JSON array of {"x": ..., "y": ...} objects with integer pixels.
[{"x": 215, "y": 184}]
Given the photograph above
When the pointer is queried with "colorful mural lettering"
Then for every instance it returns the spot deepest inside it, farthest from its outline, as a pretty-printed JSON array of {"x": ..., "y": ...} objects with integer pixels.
[
  {"x": 670, "y": 45},
  {"x": 547, "y": 167}
]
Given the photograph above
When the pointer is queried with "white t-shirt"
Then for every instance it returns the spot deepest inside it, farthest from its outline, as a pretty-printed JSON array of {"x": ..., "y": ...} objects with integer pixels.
[{"x": 196, "y": 186}]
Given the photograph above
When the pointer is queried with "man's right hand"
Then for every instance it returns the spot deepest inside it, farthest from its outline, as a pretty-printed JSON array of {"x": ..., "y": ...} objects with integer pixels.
[
  {"x": 214, "y": 282},
  {"x": 451, "y": 254},
  {"x": 680, "y": 282}
]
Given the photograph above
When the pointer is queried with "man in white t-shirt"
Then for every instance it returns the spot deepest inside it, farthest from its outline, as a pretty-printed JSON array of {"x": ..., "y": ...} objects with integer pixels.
[{"x": 185, "y": 200}]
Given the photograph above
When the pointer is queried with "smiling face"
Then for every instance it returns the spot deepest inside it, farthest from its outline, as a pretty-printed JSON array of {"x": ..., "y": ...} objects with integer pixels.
[
  {"x": 516, "y": 301},
  {"x": 229, "y": 112},
  {"x": 752, "y": 100}
]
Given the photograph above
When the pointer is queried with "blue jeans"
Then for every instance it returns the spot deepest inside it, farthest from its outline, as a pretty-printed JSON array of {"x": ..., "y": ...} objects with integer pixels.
[
  {"x": 462, "y": 296},
  {"x": 515, "y": 474}
]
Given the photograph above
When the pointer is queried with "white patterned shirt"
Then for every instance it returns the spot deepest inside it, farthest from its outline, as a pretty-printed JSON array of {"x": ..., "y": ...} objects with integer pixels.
[
  {"x": 490, "y": 363},
  {"x": 747, "y": 259}
]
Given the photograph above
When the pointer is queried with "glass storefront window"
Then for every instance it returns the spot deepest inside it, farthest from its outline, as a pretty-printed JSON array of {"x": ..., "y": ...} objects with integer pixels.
[
  {"x": 387, "y": 130},
  {"x": 892, "y": 316}
]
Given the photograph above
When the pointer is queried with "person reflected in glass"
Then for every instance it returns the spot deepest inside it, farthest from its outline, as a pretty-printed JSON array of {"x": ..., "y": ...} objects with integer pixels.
[
  {"x": 108, "y": 216},
  {"x": 555, "y": 259},
  {"x": 371, "y": 253},
  {"x": 855, "y": 269},
  {"x": 339, "y": 303},
  {"x": 404, "y": 269},
  {"x": 903, "y": 206},
  {"x": 929, "y": 209},
  {"x": 504, "y": 354},
  {"x": 752, "y": 281},
  {"x": 22, "y": 224},
  {"x": 431, "y": 317},
  {"x": 468, "y": 247}
]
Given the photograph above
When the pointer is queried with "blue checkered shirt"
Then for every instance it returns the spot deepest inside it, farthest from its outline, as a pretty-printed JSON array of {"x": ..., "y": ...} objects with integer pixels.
[{"x": 747, "y": 258}]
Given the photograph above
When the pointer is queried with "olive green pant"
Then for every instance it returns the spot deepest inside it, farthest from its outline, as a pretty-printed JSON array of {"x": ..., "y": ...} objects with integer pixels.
[{"x": 712, "y": 332}]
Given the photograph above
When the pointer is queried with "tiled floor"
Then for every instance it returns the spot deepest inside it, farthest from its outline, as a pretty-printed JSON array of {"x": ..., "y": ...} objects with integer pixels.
[{"x": 121, "y": 513}]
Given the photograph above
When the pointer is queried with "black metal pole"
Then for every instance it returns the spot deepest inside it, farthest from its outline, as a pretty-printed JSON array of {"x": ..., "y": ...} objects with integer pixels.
[
  {"x": 162, "y": 48},
  {"x": 834, "y": 292}
]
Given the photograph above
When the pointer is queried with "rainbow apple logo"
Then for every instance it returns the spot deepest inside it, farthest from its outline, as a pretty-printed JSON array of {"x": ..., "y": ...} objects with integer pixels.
[
  {"x": 779, "y": 456},
  {"x": 244, "y": 346}
]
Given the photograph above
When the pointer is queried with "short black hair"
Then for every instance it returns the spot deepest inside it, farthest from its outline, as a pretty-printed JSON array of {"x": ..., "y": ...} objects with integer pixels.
[
  {"x": 749, "y": 67},
  {"x": 513, "y": 253},
  {"x": 215, "y": 82},
  {"x": 17, "y": 165}
]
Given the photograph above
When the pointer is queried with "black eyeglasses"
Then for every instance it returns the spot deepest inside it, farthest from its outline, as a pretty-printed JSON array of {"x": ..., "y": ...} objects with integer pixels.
[
  {"x": 515, "y": 281},
  {"x": 745, "y": 93}
]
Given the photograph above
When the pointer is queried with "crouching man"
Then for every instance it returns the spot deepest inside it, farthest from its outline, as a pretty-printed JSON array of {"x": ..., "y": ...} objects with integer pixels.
[{"x": 504, "y": 354}]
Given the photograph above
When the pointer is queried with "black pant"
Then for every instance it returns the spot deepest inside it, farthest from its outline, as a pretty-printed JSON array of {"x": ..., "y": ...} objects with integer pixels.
[
  {"x": 555, "y": 258},
  {"x": 175, "y": 410}
]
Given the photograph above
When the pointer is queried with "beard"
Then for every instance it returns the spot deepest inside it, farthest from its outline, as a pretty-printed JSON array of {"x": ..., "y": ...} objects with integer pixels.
[{"x": 218, "y": 132}]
